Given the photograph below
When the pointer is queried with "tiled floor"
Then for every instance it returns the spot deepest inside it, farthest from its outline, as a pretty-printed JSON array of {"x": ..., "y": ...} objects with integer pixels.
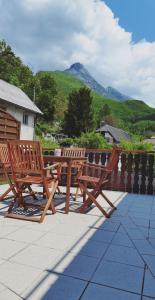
[{"x": 81, "y": 257}]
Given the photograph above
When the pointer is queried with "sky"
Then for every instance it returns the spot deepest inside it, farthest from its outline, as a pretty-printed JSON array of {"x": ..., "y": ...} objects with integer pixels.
[
  {"x": 113, "y": 39},
  {"x": 136, "y": 16}
]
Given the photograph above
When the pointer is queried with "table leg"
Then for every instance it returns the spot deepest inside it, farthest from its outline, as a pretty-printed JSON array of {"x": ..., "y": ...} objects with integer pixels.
[{"x": 68, "y": 184}]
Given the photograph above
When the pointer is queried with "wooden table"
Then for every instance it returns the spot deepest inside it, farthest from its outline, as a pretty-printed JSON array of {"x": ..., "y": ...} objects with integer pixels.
[{"x": 69, "y": 162}]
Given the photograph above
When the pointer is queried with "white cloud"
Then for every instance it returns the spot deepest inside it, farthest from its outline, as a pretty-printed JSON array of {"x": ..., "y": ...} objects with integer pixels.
[{"x": 52, "y": 34}]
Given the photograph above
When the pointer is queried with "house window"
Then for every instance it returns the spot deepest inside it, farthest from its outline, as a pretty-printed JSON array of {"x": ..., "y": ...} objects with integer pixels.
[{"x": 25, "y": 119}]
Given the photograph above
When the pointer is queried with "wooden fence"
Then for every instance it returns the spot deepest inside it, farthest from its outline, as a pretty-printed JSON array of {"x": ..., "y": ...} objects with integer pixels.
[{"x": 135, "y": 172}]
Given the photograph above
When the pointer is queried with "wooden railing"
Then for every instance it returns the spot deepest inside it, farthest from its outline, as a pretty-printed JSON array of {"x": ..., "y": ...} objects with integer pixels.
[{"x": 135, "y": 172}]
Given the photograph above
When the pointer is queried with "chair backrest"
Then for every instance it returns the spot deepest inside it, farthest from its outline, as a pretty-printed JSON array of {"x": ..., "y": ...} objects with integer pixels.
[
  {"x": 114, "y": 158},
  {"x": 103, "y": 172},
  {"x": 25, "y": 157},
  {"x": 4, "y": 155},
  {"x": 75, "y": 152}
]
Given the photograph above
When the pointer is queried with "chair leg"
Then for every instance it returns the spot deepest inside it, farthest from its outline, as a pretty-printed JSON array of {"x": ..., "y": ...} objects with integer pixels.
[
  {"x": 6, "y": 192},
  {"x": 49, "y": 202},
  {"x": 92, "y": 196},
  {"x": 107, "y": 199}
]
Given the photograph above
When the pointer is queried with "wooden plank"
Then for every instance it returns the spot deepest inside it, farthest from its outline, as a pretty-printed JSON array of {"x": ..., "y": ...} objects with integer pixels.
[{"x": 8, "y": 122}]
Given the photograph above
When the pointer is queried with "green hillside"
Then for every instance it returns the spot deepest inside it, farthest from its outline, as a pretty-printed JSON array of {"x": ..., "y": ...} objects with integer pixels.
[{"x": 130, "y": 114}]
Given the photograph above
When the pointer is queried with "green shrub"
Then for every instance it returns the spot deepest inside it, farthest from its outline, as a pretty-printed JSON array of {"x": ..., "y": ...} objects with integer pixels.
[
  {"x": 92, "y": 140},
  {"x": 136, "y": 145},
  {"x": 48, "y": 143}
]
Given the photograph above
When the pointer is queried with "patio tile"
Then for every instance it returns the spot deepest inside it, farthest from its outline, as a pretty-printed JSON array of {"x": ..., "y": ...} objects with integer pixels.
[
  {"x": 97, "y": 292},
  {"x": 109, "y": 226},
  {"x": 2, "y": 287},
  {"x": 146, "y": 298},
  {"x": 135, "y": 233},
  {"x": 100, "y": 235},
  {"x": 78, "y": 266},
  {"x": 150, "y": 261},
  {"x": 124, "y": 255},
  {"x": 144, "y": 247},
  {"x": 121, "y": 238},
  {"x": 149, "y": 284},
  {"x": 141, "y": 221},
  {"x": 25, "y": 235},
  {"x": 7, "y": 294},
  {"x": 57, "y": 241},
  {"x": 55, "y": 287},
  {"x": 152, "y": 222},
  {"x": 38, "y": 257},
  {"x": 17, "y": 277},
  {"x": 9, "y": 248},
  {"x": 5, "y": 229},
  {"x": 69, "y": 229},
  {"x": 152, "y": 233},
  {"x": 152, "y": 241},
  {"x": 120, "y": 276},
  {"x": 90, "y": 248}
]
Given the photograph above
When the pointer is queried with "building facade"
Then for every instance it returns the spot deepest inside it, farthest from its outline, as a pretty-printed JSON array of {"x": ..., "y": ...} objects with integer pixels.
[{"x": 14, "y": 101}]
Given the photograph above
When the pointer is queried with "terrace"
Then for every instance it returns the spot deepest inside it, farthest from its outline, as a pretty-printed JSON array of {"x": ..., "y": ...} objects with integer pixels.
[
  {"x": 86, "y": 256},
  {"x": 81, "y": 256}
]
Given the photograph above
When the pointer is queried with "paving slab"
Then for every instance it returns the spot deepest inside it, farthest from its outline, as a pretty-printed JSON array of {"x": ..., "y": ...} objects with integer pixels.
[
  {"x": 150, "y": 261},
  {"x": 97, "y": 292},
  {"x": 57, "y": 241},
  {"x": 149, "y": 284},
  {"x": 120, "y": 276},
  {"x": 25, "y": 235},
  {"x": 121, "y": 238},
  {"x": 124, "y": 255},
  {"x": 38, "y": 257},
  {"x": 9, "y": 295},
  {"x": 17, "y": 277},
  {"x": 78, "y": 266},
  {"x": 8, "y": 248},
  {"x": 55, "y": 287},
  {"x": 144, "y": 247}
]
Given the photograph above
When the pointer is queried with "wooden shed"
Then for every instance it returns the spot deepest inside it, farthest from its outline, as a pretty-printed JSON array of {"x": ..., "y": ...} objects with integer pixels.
[{"x": 9, "y": 127}]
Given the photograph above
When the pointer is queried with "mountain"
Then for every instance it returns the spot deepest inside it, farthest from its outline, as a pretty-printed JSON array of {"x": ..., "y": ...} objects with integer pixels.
[{"x": 80, "y": 72}]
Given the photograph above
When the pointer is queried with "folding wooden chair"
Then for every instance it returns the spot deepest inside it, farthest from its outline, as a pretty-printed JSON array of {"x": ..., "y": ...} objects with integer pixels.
[
  {"x": 28, "y": 168},
  {"x": 92, "y": 182},
  {"x": 74, "y": 152},
  {"x": 6, "y": 168}
]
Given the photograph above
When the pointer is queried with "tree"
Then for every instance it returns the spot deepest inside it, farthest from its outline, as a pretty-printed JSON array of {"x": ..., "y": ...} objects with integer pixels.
[
  {"x": 103, "y": 112},
  {"x": 45, "y": 95},
  {"x": 13, "y": 70},
  {"x": 79, "y": 116}
]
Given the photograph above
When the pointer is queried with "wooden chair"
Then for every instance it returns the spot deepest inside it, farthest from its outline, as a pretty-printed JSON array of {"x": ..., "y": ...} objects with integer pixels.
[
  {"x": 6, "y": 168},
  {"x": 92, "y": 181},
  {"x": 28, "y": 168},
  {"x": 75, "y": 152}
]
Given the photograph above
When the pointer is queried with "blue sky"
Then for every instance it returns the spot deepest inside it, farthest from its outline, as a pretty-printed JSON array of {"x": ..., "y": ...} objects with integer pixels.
[{"x": 136, "y": 16}]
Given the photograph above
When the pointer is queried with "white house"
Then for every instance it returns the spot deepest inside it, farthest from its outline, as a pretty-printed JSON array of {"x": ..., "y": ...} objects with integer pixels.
[{"x": 15, "y": 102}]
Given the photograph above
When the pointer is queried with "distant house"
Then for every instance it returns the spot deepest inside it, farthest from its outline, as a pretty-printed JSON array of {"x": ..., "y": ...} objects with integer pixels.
[
  {"x": 17, "y": 105},
  {"x": 113, "y": 134}
]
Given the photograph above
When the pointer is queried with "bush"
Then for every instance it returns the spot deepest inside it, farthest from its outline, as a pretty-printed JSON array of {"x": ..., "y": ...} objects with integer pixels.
[
  {"x": 92, "y": 140},
  {"x": 48, "y": 143},
  {"x": 136, "y": 145}
]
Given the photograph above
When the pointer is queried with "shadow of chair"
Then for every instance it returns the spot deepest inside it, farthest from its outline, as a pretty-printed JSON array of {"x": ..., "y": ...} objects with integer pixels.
[
  {"x": 27, "y": 169},
  {"x": 92, "y": 180}
]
